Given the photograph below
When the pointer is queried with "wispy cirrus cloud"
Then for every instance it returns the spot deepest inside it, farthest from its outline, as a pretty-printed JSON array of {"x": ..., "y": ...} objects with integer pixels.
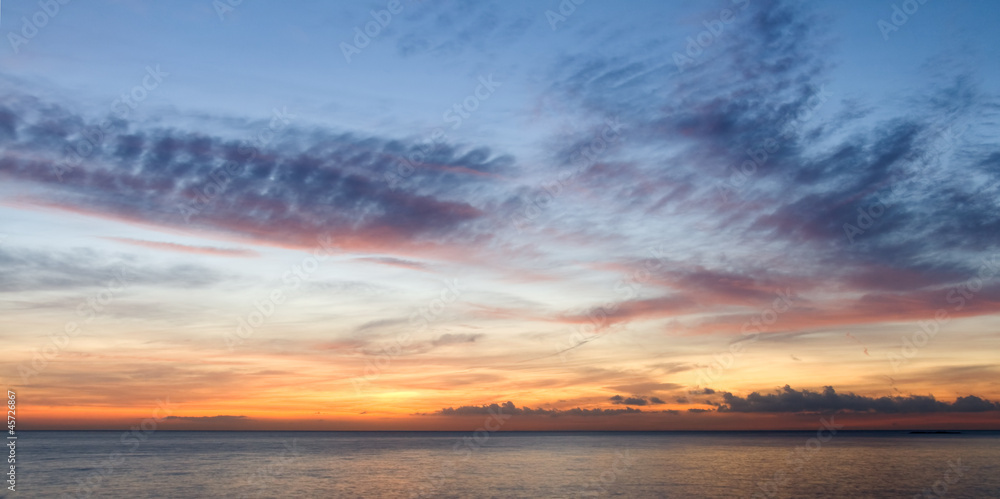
[
  {"x": 184, "y": 248},
  {"x": 26, "y": 269},
  {"x": 393, "y": 262}
]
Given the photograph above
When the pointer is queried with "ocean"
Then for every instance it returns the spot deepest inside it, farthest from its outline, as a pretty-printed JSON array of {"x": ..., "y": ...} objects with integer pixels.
[{"x": 511, "y": 464}]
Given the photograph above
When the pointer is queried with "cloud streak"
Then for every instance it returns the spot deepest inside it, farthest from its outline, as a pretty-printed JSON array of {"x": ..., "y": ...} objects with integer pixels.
[
  {"x": 184, "y": 248},
  {"x": 285, "y": 194}
]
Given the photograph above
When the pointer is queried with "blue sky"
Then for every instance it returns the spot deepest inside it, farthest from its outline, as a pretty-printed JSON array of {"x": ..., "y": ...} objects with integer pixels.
[{"x": 580, "y": 180}]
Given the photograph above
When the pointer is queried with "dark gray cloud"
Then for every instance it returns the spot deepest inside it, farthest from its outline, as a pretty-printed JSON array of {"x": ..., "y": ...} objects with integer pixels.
[
  {"x": 372, "y": 192},
  {"x": 772, "y": 50},
  {"x": 811, "y": 167},
  {"x": 786, "y": 400},
  {"x": 636, "y": 400},
  {"x": 790, "y": 400},
  {"x": 508, "y": 408}
]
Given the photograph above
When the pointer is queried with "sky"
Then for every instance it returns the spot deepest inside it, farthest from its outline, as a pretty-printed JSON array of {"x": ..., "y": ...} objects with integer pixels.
[{"x": 419, "y": 215}]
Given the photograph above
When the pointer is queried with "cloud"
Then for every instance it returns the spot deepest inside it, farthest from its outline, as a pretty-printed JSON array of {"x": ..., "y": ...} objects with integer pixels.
[
  {"x": 508, "y": 408},
  {"x": 798, "y": 312},
  {"x": 788, "y": 399},
  {"x": 446, "y": 31},
  {"x": 283, "y": 193},
  {"x": 925, "y": 171},
  {"x": 25, "y": 269},
  {"x": 646, "y": 386},
  {"x": 209, "y": 419},
  {"x": 378, "y": 324},
  {"x": 618, "y": 399},
  {"x": 635, "y": 400},
  {"x": 183, "y": 248},
  {"x": 395, "y": 262},
  {"x": 672, "y": 367},
  {"x": 451, "y": 339}
]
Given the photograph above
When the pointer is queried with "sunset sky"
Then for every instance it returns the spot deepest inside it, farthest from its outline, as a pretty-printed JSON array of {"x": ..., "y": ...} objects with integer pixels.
[{"x": 646, "y": 215}]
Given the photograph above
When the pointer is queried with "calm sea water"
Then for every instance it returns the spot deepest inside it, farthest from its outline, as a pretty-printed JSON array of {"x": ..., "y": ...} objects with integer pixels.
[{"x": 456, "y": 464}]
